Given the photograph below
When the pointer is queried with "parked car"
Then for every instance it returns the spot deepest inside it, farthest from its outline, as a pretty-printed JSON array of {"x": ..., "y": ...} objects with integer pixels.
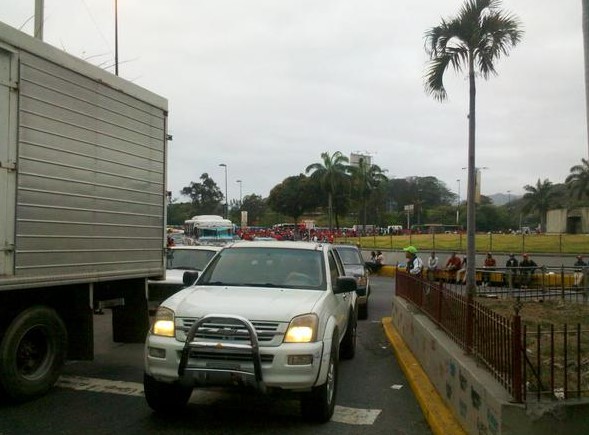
[
  {"x": 274, "y": 316},
  {"x": 355, "y": 266},
  {"x": 179, "y": 260}
]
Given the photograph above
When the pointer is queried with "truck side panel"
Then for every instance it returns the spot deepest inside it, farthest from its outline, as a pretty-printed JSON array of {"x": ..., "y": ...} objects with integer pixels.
[{"x": 90, "y": 177}]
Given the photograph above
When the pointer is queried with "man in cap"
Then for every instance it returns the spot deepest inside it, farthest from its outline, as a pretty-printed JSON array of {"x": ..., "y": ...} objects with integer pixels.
[{"x": 414, "y": 263}]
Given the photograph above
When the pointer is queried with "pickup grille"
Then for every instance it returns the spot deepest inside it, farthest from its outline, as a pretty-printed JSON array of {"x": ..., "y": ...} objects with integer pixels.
[{"x": 228, "y": 331}]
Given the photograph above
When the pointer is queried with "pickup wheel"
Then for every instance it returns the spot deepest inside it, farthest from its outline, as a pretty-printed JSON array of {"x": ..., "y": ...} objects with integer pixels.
[
  {"x": 348, "y": 346},
  {"x": 163, "y": 397},
  {"x": 363, "y": 311},
  {"x": 318, "y": 405},
  {"x": 32, "y": 353}
]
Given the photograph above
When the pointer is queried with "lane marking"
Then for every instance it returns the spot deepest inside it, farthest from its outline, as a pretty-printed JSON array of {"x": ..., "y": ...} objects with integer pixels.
[{"x": 342, "y": 414}]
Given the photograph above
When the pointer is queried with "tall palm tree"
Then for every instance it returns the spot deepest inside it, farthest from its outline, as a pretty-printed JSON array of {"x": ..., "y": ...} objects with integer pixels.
[
  {"x": 578, "y": 179},
  {"x": 366, "y": 177},
  {"x": 477, "y": 37},
  {"x": 539, "y": 198},
  {"x": 330, "y": 173}
]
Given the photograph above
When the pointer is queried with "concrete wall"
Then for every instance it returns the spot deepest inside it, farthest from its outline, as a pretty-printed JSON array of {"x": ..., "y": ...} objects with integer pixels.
[
  {"x": 556, "y": 221},
  {"x": 480, "y": 403}
]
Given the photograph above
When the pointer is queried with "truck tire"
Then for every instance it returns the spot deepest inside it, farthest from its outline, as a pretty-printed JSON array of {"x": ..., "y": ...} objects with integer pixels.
[
  {"x": 163, "y": 397},
  {"x": 318, "y": 405},
  {"x": 348, "y": 346},
  {"x": 32, "y": 353}
]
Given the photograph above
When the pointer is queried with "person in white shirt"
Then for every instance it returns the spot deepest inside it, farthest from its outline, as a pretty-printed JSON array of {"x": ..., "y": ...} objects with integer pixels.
[{"x": 432, "y": 266}]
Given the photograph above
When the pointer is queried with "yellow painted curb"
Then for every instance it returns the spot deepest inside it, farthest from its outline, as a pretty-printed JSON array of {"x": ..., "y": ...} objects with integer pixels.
[
  {"x": 387, "y": 271},
  {"x": 439, "y": 417}
]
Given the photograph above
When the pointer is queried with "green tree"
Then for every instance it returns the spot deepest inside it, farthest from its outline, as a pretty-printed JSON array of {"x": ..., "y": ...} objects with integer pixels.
[
  {"x": 206, "y": 196},
  {"x": 474, "y": 40},
  {"x": 578, "y": 180},
  {"x": 539, "y": 198},
  {"x": 255, "y": 206},
  {"x": 366, "y": 178},
  {"x": 294, "y": 197},
  {"x": 331, "y": 174}
]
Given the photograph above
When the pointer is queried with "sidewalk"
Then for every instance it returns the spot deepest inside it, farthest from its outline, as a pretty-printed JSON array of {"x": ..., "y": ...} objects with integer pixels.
[{"x": 439, "y": 417}]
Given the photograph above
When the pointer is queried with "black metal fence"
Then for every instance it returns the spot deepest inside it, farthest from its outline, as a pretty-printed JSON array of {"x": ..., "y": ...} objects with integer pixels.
[{"x": 547, "y": 363}]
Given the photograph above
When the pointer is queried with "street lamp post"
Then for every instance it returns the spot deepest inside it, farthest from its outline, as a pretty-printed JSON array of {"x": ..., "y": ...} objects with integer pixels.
[
  {"x": 458, "y": 205},
  {"x": 226, "y": 209},
  {"x": 240, "y": 196}
]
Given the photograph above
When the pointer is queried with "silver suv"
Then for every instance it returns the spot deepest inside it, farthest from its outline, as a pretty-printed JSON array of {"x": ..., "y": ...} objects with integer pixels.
[{"x": 271, "y": 315}]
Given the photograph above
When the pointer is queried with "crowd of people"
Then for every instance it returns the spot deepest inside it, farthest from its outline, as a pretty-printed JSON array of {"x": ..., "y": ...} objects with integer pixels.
[{"x": 520, "y": 272}]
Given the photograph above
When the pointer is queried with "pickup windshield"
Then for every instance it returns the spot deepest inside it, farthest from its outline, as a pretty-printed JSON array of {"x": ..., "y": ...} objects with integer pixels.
[{"x": 266, "y": 267}]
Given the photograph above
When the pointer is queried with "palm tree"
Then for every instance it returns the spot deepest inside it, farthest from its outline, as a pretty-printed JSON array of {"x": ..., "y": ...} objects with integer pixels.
[
  {"x": 474, "y": 40},
  {"x": 330, "y": 173},
  {"x": 366, "y": 177},
  {"x": 539, "y": 198},
  {"x": 578, "y": 180}
]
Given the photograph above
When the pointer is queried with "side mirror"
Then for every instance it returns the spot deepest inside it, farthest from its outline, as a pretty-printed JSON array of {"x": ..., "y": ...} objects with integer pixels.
[
  {"x": 345, "y": 284},
  {"x": 361, "y": 291},
  {"x": 189, "y": 277}
]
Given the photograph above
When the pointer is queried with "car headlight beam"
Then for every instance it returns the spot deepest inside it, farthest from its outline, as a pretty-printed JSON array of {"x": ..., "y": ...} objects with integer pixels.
[
  {"x": 164, "y": 322},
  {"x": 302, "y": 329}
]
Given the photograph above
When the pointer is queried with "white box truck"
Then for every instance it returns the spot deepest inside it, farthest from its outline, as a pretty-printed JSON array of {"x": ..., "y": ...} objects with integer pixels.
[{"x": 82, "y": 208}]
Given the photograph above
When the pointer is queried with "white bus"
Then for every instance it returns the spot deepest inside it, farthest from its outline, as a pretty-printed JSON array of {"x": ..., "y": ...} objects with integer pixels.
[{"x": 209, "y": 228}]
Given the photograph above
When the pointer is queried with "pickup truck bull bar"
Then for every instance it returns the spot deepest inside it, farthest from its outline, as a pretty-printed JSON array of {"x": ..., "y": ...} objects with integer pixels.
[{"x": 226, "y": 325}]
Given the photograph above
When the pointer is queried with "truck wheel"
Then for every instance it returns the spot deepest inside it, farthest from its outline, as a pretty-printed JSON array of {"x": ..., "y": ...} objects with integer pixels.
[
  {"x": 163, "y": 397},
  {"x": 348, "y": 346},
  {"x": 32, "y": 353},
  {"x": 318, "y": 405}
]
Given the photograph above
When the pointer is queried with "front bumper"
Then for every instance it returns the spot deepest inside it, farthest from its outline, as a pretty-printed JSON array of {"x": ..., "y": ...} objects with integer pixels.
[{"x": 289, "y": 366}]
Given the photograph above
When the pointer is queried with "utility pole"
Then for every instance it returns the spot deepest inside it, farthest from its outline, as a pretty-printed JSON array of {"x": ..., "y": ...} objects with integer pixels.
[{"x": 39, "y": 18}]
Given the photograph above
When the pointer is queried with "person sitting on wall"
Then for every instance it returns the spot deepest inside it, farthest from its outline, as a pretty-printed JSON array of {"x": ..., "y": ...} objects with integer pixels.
[
  {"x": 527, "y": 268},
  {"x": 432, "y": 266},
  {"x": 452, "y": 266},
  {"x": 579, "y": 272},
  {"x": 461, "y": 273},
  {"x": 489, "y": 265},
  {"x": 376, "y": 261},
  {"x": 414, "y": 263}
]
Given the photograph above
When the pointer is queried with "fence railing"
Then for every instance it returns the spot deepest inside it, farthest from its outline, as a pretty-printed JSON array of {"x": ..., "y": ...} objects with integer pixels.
[
  {"x": 540, "y": 283},
  {"x": 529, "y": 364}
]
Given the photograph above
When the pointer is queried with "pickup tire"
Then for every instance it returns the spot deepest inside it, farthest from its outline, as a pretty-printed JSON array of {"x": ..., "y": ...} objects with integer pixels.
[
  {"x": 363, "y": 311},
  {"x": 32, "y": 353},
  {"x": 163, "y": 397},
  {"x": 348, "y": 346},
  {"x": 318, "y": 405}
]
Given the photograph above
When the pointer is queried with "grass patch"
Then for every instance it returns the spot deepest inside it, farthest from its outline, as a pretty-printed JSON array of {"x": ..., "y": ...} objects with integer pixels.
[{"x": 533, "y": 243}]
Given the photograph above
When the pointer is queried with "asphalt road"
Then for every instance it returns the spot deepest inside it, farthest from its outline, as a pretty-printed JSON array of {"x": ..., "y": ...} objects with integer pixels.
[{"x": 106, "y": 395}]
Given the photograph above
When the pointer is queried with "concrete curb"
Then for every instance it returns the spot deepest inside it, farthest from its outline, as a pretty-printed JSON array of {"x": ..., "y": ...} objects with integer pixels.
[{"x": 439, "y": 417}]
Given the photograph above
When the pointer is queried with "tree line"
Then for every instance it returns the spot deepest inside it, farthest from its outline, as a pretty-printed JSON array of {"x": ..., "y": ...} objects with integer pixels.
[{"x": 360, "y": 194}]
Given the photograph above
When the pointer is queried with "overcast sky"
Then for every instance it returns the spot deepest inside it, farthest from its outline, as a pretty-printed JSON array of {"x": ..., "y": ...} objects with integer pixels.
[{"x": 265, "y": 86}]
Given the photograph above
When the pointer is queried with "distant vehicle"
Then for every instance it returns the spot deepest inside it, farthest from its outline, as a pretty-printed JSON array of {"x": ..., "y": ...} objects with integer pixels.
[
  {"x": 354, "y": 265},
  {"x": 209, "y": 229},
  {"x": 179, "y": 259},
  {"x": 394, "y": 229},
  {"x": 272, "y": 316}
]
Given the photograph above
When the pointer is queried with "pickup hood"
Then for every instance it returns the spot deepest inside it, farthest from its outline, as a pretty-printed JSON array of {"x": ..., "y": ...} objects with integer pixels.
[{"x": 253, "y": 303}]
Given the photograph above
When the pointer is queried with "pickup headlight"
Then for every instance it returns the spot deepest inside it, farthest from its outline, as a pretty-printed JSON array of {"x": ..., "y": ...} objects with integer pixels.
[
  {"x": 164, "y": 322},
  {"x": 302, "y": 329}
]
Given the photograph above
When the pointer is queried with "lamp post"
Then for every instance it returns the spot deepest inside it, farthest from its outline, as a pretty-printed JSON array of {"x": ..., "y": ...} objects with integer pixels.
[
  {"x": 458, "y": 205},
  {"x": 240, "y": 196},
  {"x": 226, "y": 209}
]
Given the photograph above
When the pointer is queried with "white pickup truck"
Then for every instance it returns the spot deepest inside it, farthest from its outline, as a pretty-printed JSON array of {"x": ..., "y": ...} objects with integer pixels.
[{"x": 275, "y": 316}]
